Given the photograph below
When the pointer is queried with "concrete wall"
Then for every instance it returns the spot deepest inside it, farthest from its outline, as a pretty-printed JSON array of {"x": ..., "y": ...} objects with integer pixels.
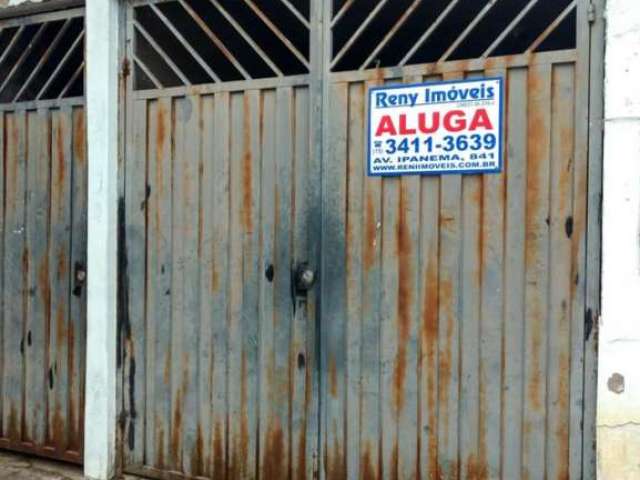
[{"x": 619, "y": 357}]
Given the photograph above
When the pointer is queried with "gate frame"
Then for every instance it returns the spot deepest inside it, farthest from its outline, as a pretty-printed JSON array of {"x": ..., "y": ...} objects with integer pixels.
[
  {"x": 105, "y": 115},
  {"x": 595, "y": 134}
]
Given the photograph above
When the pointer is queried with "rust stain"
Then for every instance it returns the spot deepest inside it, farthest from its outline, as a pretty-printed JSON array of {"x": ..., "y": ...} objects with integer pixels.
[
  {"x": 197, "y": 455},
  {"x": 244, "y": 417},
  {"x": 274, "y": 454},
  {"x": 453, "y": 467},
  {"x": 219, "y": 460},
  {"x": 75, "y": 430},
  {"x": 10, "y": 165},
  {"x": 61, "y": 270},
  {"x": 534, "y": 393},
  {"x": 369, "y": 470},
  {"x": 537, "y": 154},
  {"x": 161, "y": 147},
  {"x": 160, "y": 129},
  {"x": 371, "y": 232},
  {"x": 58, "y": 436},
  {"x": 166, "y": 374},
  {"x": 429, "y": 340},
  {"x": 302, "y": 456},
  {"x": 45, "y": 288},
  {"x": 159, "y": 187},
  {"x": 336, "y": 466},
  {"x": 333, "y": 377},
  {"x": 475, "y": 470},
  {"x": 79, "y": 137},
  {"x": 176, "y": 430},
  {"x": 159, "y": 442},
  {"x": 405, "y": 298},
  {"x": 247, "y": 171},
  {"x": 446, "y": 299},
  {"x": 393, "y": 463},
  {"x": 379, "y": 76},
  {"x": 62, "y": 167},
  {"x": 215, "y": 278},
  {"x": 61, "y": 328},
  {"x": 562, "y": 427},
  {"x": 25, "y": 261}
]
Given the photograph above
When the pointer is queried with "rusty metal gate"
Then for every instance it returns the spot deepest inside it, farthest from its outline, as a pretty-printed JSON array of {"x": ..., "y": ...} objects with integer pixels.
[
  {"x": 450, "y": 331},
  {"x": 43, "y": 234}
]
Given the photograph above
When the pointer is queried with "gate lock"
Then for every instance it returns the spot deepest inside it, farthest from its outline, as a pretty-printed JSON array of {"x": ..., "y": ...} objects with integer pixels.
[{"x": 304, "y": 278}]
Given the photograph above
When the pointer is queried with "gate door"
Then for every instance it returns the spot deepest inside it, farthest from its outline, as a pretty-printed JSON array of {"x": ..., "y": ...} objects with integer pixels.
[
  {"x": 42, "y": 234},
  {"x": 221, "y": 213},
  {"x": 447, "y": 336},
  {"x": 454, "y": 306}
]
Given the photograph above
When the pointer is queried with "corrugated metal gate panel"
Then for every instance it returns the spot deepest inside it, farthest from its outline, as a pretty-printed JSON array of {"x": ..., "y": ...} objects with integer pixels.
[
  {"x": 454, "y": 302},
  {"x": 43, "y": 306},
  {"x": 218, "y": 350},
  {"x": 449, "y": 341}
]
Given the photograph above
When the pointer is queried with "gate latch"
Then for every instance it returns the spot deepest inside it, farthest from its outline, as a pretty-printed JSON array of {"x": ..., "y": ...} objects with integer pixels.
[
  {"x": 80, "y": 278},
  {"x": 591, "y": 13},
  {"x": 304, "y": 278}
]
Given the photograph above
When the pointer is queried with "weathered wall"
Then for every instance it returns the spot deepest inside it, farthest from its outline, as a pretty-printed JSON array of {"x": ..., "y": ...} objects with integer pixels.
[{"x": 619, "y": 375}]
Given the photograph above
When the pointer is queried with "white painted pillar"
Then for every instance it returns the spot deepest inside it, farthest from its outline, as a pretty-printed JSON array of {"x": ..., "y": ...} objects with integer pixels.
[
  {"x": 102, "y": 57},
  {"x": 619, "y": 343}
]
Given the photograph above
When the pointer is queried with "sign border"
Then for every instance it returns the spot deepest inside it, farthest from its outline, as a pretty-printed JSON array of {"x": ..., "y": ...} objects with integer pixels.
[{"x": 395, "y": 86}]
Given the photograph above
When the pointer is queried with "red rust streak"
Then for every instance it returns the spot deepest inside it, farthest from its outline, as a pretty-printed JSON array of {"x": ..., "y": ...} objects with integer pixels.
[
  {"x": 369, "y": 471},
  {"x": 219, "y": 459},
  {"x": 62, "y": 167},
  {"x": 302, "y": 456},
  {"x": 159, "y": 443},
  {"x": 75, "y": 431},
  {"x": 176, "y": 431},
  {"x": 335, "y": 462},
  {"x": 244, "y": 419},
  {"x": 537, "y": 154},
  {"x": 430, "y": 350},
  {"x": 197, "y": 455},
  {"x": 405, "y": 297},
  {"x": 79, "y": 137},
  {"x": 274, "y": 455},
  {"x": 247, "y": 171},
  {"x": 333, "y": 377}
]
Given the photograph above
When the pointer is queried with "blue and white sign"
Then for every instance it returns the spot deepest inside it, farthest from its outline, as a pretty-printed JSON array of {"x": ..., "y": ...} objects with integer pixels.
[{"x": 436, "y": 128}]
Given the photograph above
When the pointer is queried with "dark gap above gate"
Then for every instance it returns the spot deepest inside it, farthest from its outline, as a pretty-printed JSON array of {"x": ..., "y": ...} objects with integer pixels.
[
  {"x": 189, "y": 42},
  {"x": 42, "y": 60},
  {"x": 386, "y": 33}
]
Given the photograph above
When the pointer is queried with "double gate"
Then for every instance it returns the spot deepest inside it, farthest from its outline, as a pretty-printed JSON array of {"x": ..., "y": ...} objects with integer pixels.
[
  {"x": 42, "y": 234},
  {"x": 449, "y": 333}
]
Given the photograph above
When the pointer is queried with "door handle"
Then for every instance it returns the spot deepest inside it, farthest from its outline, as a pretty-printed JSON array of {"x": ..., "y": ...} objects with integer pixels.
[{"x": 304, "y": 278}]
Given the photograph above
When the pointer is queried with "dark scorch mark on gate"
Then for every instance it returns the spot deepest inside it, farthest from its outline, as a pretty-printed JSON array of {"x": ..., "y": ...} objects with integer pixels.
[{"x": 124, "y": 323}]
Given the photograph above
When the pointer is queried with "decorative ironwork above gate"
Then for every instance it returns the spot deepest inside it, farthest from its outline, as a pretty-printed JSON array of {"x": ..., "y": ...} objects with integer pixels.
[
  {"x": 386, "y": 33},
  {"x": 42, "y": 57},
  {"x": 189, "y": 42}
]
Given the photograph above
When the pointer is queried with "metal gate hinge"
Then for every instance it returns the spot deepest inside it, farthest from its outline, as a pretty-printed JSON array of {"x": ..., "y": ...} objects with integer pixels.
[{"x": 591, "y": 12}]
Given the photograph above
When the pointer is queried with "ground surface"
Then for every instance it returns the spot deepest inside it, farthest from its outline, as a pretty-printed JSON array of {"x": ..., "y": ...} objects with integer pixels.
[{"x": 17, "y": 467}]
